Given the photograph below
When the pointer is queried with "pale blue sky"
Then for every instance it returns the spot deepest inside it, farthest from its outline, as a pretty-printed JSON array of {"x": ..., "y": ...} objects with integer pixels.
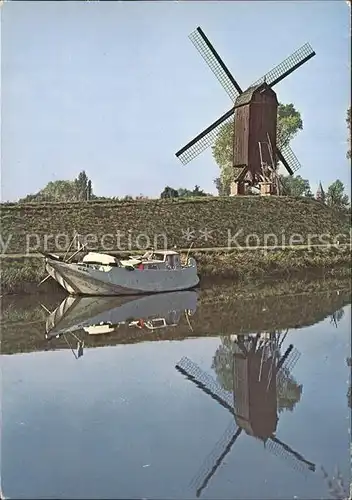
[{"x": 116, "y": 88}]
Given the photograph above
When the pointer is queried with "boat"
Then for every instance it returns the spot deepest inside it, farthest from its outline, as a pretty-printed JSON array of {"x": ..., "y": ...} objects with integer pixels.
[
  {"x": 156, "y": 271},
  {"x": 101, "y": 315}
]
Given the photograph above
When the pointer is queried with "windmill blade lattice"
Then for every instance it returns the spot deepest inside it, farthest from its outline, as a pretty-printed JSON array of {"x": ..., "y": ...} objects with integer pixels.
[
  {"x": 288, "y": 159},
  {"x": 291, "y": 457},
  {"x": 290, "y": 361},
  {"x": 215, "y": 63},
  {"x": 215, "y": 458},
  {"x": 209, "y": 461},
  {"x": 290, "y": 64},
  {"x": 206, "y": 382},
  {"x": 283, "y": 375},
  {"x": 204, "y": 139}
]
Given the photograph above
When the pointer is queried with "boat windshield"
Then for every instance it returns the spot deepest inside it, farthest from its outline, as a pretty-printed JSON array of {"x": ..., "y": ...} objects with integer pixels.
[{"x": 153, "y": 256}]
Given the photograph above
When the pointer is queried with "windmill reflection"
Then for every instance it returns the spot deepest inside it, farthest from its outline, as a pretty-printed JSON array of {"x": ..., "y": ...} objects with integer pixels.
[
  {"x": 337, "y": 316},
  {"x": 259, "y": 374},
  {"x": 80, "y": 346}
]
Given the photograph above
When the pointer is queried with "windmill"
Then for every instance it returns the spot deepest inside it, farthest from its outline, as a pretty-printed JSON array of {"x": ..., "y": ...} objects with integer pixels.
[
  {"x": 256, "y": 147},
  {"x": 258, "y": 371}
]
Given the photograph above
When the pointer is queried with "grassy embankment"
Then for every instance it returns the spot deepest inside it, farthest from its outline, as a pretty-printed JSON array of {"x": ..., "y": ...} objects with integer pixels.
[
  {"x": 221, "y": 310},
  {"x": 32, "y": 227}
]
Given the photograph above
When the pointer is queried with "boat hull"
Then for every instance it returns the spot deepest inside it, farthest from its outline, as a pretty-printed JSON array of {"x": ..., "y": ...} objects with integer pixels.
[{"x": 77, "y": 279}]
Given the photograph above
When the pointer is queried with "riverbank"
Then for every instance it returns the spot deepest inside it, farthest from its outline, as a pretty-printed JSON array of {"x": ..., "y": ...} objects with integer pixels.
[
  {"x": 226, "y": 234},
  {"x": 23, "y": 274}
]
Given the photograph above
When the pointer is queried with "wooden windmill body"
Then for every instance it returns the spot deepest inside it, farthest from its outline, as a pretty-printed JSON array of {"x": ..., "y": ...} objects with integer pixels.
[
  {"x": 255, "y": 125},
  {"x": 254, "y": 387},
  {"x": 256, "y": 147}
]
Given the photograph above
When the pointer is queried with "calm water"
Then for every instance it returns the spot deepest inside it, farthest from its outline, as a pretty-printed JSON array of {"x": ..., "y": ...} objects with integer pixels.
[{"x": 88, "y": 414}]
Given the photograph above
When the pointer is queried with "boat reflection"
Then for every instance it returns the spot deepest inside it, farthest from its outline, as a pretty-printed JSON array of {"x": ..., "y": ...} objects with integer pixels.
[
  {"x": 253, "y": 374},
  {"x": 104, "y": 315}
]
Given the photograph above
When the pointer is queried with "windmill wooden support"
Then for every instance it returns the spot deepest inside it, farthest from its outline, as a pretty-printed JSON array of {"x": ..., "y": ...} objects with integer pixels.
[
  {"x": 259, "y": 370},
  {"x": 254, "y": 113}
]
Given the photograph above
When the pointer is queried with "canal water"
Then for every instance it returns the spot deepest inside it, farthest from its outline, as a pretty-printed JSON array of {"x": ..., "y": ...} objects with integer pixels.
[{"x": 214, "y": 394}]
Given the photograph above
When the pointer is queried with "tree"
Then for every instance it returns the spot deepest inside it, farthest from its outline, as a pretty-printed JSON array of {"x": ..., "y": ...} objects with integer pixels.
[
  {"x": 83, "y": 185},
  {"x": 186, "y": 193},
  {"x": 64, "y": 191},
  {"x": 289, "y": 122},
  {"x": 89, "y": 190},
  {"x": 348, "y": 121},
  {"x": 219, "y": 187},
  {"x": 60, "y": 191},
  {"x": 222, "y": 363},
  {"x": 198, "y": 192},
  {"x": 289, "y": 392},
  {"x": 336, "y": 197},
  {"x": 169, "y": 192},
  {"x": 296, "y": 186}
]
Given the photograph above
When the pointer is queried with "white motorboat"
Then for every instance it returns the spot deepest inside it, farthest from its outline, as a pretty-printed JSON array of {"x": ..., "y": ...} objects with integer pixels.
[{"x": 102, "y": 274}]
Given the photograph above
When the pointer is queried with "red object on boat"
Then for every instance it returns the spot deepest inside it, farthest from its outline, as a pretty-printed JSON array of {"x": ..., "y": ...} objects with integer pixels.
[{"x": 141, "y": 267}]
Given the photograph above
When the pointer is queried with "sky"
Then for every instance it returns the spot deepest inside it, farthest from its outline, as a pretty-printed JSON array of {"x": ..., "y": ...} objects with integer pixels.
[{"x": 116, "y": 88}]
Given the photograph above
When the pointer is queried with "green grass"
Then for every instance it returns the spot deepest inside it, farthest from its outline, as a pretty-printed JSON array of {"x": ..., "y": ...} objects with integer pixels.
[
  {"x": 22, "y": 275},
  {"x": 281, "y": 216},
  {"x": 242, "y": 265}
]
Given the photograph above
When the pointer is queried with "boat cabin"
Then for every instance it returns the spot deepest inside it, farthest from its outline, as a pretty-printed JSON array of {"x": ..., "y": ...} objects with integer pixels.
[
  {"x": 159, "y": 259},
  {"x": 153, "y": 259}
]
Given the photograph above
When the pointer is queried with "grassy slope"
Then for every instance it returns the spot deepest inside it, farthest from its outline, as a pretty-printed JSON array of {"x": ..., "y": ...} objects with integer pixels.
[
  {"x": 260, "y": 215},
  {"x": 252, "y": 214}
]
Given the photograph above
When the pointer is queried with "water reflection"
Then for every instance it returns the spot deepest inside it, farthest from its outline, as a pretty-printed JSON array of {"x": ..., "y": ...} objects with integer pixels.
[
  {"x": 252, "y": 347},
  {"x": 337, "y": 316},
  {"x": 338, "y": 489},
  {"x": 253, "y": 383},
  {"x": 101, "y": 315},
  {"x": 28, "y": 325}
]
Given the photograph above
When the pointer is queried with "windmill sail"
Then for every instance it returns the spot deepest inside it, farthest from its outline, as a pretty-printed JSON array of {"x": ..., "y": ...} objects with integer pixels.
[
  {"x": 295, "y": 460},
  {"x": 203, "y": 140},
  {"x": 289, "y": 362},
  {"x": 288, "y": 66},
  {"x": 215, "y": 458},
  {"x": 215, "y": 63},
  {"x": 289, "y": 160},
  {"x": 205, "y": 382}
]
